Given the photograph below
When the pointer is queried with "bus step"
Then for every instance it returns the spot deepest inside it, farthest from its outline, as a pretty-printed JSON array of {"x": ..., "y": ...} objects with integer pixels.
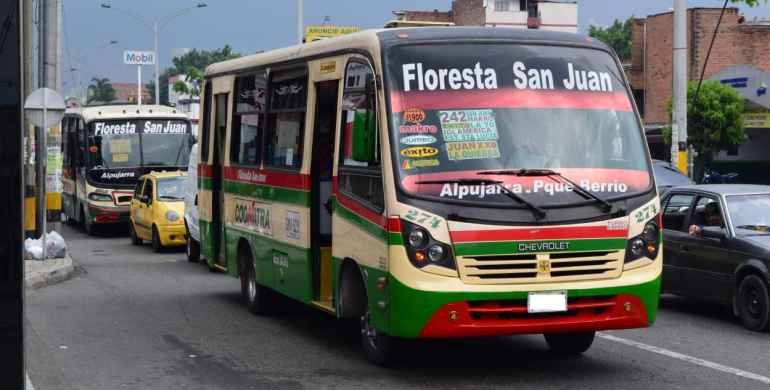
[{"x": 327, "y": 306}]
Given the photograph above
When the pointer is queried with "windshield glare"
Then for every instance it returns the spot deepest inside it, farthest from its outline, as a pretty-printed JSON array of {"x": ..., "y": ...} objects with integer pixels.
[
  {"x": 458, "y": 110},
  {"x": 171, "y": 188},
  {"x": 136, "y": 143},
  {"x": 750, "y": 212}
]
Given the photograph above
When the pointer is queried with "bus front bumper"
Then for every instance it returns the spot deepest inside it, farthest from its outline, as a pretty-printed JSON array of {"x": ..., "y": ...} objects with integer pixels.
[
  {"x": 109, "y": 215},
  {"x": 433, "y": 314}
]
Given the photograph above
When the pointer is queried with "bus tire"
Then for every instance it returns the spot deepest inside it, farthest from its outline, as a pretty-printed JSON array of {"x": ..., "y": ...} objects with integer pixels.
[
  {"x": 754, "y": 303},
  {"x": 193, "y": 250},
  {"x": 569, "y": 343},
  {"x": 135, "y": 240},
  {"x": 256, "y": 296},
  {"x": 379, "y": 348},
  {"x": 88, "y": 226},
  {"x": 156, "y": 244}
]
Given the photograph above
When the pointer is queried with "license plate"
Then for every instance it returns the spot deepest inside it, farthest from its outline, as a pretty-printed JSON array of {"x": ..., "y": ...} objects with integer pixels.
[{"x": 547, "y": 302}]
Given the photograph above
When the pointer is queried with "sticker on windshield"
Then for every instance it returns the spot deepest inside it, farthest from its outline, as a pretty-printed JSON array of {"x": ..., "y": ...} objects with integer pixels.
[
  {"x": 120, "y": 157},
  {"x": 473, "y": 150},
  {"x": 468, "y": 125},
  {"x": 418, "y": 140},
  {"x": 414, "y": 115},
  {"x": 422, "y": 163},
  {"x": 419, "y": 152}
]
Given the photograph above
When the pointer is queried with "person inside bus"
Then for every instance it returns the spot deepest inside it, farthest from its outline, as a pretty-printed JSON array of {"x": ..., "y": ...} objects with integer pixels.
[{"x": 710, "y": 216}]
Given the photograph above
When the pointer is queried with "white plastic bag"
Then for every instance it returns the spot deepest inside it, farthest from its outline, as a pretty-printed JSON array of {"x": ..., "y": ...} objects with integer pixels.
[{"x": 55, "y": 247}]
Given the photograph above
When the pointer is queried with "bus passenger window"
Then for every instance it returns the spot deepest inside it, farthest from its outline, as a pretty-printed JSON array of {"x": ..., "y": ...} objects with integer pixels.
[
  {"x": 248, "y": 119},
  {"x": 359, "y": 173},
  {"x": 205, "y": 123},
  {"x": 286, "y": 119}
]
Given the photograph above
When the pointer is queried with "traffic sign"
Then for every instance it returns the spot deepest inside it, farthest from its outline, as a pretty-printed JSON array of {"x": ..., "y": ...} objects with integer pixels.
[
  {"x": 134, "y": 57},
  {"x": 48, "y": 101}
]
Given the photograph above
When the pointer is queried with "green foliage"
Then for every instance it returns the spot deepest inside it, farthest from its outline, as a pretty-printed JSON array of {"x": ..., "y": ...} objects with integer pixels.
[
  {"x": 750, "y": 3},
  {"x": 617, "y": 36},
  {"x": 192, "y": 65},
  {"x": 100, "y": 91},
  {"x": 714, "y": 120}
]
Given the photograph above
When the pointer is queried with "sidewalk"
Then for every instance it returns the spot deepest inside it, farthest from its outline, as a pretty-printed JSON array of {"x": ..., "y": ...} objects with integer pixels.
[{"x": 38, "y": 274}]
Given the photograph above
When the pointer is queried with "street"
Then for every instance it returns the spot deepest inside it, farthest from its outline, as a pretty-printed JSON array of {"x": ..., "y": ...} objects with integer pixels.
[{"x": 133, "y": 319}]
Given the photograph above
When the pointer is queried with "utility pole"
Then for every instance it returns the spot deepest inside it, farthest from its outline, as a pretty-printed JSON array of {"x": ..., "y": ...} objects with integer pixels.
[
  {"x": 300, "y": 21},
  {"x": 679, "y": 156}
]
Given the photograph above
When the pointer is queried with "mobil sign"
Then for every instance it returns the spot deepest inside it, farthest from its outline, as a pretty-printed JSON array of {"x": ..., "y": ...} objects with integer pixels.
[{"x": 133, "y": 57}]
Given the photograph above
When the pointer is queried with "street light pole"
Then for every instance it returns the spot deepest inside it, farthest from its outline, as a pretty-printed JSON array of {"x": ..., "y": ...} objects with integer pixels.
[
  {"x": 679, "y": 112},
  {"x": 157, "y": 65},
  {"x": 300, "y": 22},
  {"x": 156, "y": 26}
]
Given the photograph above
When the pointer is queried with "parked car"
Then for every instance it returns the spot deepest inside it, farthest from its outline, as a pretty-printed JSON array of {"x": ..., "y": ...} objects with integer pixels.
[
  {"x": 191, "y": 208},
  {"x": 717, "y": 247},
  {"x": 667, "y": 176},
  {"x": 157, "y": 209}
]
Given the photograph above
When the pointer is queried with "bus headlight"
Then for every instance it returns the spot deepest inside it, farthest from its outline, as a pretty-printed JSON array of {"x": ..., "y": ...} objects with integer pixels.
[
  {"x": 172, "y": 216},
  {"x": 646, "y": 244},
  {"x": 96, "y": 197},
  {"x": 423, "y": 250}
]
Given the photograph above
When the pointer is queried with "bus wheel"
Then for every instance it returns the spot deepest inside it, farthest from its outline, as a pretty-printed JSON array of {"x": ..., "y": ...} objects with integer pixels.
[
  {"x": 156, "y": 245},
  {"x": 378, "y": 347},
  {"x": 193, "y": 250},
  {"x": 257, "y": 297},
  {"x": 570, "y": 343},
  {"x": 135, "y": 240},
  {"x": 88, "y": 226},
  {"x": 754, "y": 303}
]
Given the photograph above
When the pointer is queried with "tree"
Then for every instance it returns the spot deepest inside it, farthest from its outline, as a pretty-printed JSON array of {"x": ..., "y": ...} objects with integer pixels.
[
  {"x": 100, "y": 91},
  {"x": 617, "y": 36},
  {"x": 750, "y": 3},
  {"x": 714, "y": 122},
  {"x": 192, "y": 83}
]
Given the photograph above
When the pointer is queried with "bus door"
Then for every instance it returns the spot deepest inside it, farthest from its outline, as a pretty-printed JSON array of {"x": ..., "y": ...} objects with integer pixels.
[
  {"x": 218, "y": 197},
  {"x": 325, "y": 121}
]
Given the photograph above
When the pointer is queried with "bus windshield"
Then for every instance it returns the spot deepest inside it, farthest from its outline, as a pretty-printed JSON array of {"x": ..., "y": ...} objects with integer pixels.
[
  {"x": 139, "y": 143},
  {"x": 466, "y": 119}
]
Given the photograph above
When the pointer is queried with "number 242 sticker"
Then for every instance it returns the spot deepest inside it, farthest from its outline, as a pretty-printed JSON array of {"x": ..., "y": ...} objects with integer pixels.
[{"x": 421, "y": 218}]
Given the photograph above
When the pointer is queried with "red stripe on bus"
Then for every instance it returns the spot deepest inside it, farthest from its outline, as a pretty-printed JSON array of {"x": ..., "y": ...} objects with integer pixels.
[
  {"x": 257, "y": 176},
  {"x": 205, "y": 170},
  {"x": 509, "y": 98},
  {"x": 531, "y": 234},
  {"x": 360, "y": 210}
]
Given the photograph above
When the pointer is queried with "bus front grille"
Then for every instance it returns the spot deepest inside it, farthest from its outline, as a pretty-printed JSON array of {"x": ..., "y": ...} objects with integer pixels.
[{"x": 540, "y": 268}]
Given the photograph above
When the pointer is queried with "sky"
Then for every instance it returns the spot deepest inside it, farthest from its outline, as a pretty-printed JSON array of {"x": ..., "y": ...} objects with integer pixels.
[{"x": 253, "y": 25}]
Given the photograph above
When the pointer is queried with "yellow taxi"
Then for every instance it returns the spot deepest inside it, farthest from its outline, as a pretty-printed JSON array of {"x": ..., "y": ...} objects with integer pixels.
[{"x": 157, "y": 210}]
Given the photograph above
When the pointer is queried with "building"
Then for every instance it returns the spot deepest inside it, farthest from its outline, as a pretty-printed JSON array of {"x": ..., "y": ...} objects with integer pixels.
[
  {"x": 125, "y": 93},
  {"x": 538, "y": 14},
  {"x": 740, "y": 57},
  {"x": 184, "y": 102}
]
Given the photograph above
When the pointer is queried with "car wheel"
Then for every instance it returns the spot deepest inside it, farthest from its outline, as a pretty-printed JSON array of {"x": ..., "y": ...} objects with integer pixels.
[
  {"x": 258, "y": 297},
  {"x": 156, "y": 245},
  {"x": 193, "y": 250},
  {"x": 570, "y": 343},
  {"x": 378, "y": 347},
  {"x": 135, "y": 240},
  {"x": 754, "y": 303}
]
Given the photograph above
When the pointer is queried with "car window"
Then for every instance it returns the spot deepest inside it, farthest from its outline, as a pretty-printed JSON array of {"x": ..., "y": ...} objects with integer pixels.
[
  {"x": 707, "y": 213},
  {"x": 148, "y": 190},
  {"x": 138, "y": 189},
  {"x": 676, "y": 211}
]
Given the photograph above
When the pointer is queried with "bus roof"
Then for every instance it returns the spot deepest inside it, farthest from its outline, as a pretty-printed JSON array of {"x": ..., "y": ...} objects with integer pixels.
[
  {"x": 126, "y": 111},
  {"x": 372, "y": 39}
]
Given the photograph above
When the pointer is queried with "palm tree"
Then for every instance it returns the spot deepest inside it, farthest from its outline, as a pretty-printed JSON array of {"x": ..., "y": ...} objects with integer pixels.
[{"x": 100, "y": 91}]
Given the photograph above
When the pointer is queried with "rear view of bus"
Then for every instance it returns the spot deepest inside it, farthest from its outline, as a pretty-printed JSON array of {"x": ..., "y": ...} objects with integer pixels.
[
  {"x": 524, "y": 191},
  {"x": 106, "y": 150}
]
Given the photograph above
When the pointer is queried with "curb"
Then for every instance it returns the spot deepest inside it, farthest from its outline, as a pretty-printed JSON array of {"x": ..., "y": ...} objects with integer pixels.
[{"x": 39, "y": 274}]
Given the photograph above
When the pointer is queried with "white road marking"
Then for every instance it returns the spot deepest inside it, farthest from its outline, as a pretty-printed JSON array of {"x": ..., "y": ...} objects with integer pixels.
[{"x": 687, "y": 358}]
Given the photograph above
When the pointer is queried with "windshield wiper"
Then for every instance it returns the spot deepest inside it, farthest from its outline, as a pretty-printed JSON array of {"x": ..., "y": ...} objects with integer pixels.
[
  {"x": 171, "y": 197},
  {"x": 603, "y": 203},
  {"x": 761, "y": 228},
  {"x": 538, "y": 212}
]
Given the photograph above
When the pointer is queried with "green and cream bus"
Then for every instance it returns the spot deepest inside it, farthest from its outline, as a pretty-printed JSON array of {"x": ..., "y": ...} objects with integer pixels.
[
  {"x": 106, "y": 149},
  {"x": 434, "y": 183}
]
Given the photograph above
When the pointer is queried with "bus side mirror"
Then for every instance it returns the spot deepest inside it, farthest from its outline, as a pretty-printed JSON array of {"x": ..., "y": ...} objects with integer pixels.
[{"x": 364, "y": 134}]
